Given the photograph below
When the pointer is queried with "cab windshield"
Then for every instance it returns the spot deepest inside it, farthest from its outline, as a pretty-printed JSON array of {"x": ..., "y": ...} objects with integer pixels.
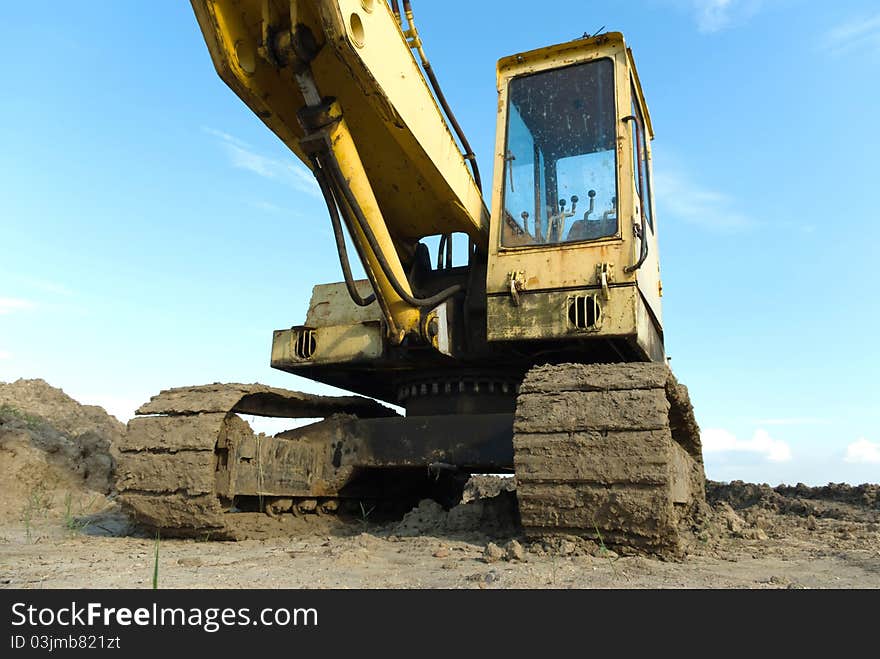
[{"x": 560, "y": 182}]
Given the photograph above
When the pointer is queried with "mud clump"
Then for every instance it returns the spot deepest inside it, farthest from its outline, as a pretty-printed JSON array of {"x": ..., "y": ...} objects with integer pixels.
[
  {"x": 493, "y": 516},
  {"x": 737, "y": 526},
  {"x": 486, "y": 487},
  {"x": 49, "y": 442},
  {"x": 514, "y": 551},
  {"x": 565, "y": 545},
  {"x": 493, "y": 553}
]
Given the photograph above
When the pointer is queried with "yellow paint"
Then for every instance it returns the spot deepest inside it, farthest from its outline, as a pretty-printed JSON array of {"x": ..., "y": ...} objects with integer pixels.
[{"x": 403, "y": 317}]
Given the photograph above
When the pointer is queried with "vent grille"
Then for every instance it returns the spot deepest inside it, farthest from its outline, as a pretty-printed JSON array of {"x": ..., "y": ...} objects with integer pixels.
[
  {"x": 584, "y": 312},
  {"x": 305, "y": 344}
]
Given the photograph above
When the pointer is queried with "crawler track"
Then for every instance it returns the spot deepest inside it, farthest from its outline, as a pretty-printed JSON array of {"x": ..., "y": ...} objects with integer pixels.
[
  {"x": 608, "y": 451},
  {"x": 176, "y": 470}
]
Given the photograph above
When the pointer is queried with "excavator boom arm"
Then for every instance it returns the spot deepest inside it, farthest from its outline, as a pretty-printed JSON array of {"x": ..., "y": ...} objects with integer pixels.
[{"x": 337, "y": 82}]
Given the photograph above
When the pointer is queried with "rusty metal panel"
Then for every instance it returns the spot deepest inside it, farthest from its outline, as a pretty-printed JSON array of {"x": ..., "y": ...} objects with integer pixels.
[
  {"x": 320, "y": 459},
  {"x": 481, "y": 441},
  {"x": 331, "y": 305},
  {"x": 648, "y": 334},
  {"x": 546, "y": 315},
  {"x": 336, "y": 344}
]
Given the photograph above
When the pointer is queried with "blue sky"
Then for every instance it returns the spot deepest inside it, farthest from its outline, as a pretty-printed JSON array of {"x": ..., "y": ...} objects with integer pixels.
[{"x": 154, "y": 232}]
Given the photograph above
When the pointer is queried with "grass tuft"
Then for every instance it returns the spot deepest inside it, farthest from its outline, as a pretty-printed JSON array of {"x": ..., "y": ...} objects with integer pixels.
[
  {"x": 31, "y": 420},
  {"x": 365, "y": 514},
  {"x": 156, "y": 565},
  {"x": 73, "y": 521},
  {"x": 37, "y": 505},
  {"x": 604, "y": 551}
]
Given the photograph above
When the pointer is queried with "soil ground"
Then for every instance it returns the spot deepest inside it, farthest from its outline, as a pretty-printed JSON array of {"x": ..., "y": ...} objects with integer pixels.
[{"x": 60, "y": 528}]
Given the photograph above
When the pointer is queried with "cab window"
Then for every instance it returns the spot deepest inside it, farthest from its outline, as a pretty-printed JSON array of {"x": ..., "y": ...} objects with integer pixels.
[
  {"x": 640, "y": 157},
  {"x": 560, "y": 166}
]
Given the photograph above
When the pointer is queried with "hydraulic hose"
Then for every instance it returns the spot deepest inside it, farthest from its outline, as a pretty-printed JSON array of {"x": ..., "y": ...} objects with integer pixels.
[
  {"x": 445, "y": 245},
  {"x": 341, "y": 185},
  {"x": 332, "y": 208},
  {"x": 643, "y": 248},
  {"x": 435, "y": 85},
  {"x": 440, "y": 248},
  {"x": 395, "y": 9}
]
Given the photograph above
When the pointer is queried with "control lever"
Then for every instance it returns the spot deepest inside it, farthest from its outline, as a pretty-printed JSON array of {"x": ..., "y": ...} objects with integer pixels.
[
  {"x": 509, "y": 157},
  {"x": 611, "y": 212},
  {"x": 556, "y": 223},
  {"x": 592, "y": 195},
  {"x": 574, "y": 205}
]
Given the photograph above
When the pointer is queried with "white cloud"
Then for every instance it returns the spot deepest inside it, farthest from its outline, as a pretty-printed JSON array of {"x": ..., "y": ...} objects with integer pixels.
[
  {"x": 716, "y": 15},
  {"x": 5, "y": 354},
  {"x": 718, "y": 440},
  {"x": 712, "y": 15},
  {"x": 10, "y": 304},
  {"x": 225, "y": 137},
  {"x": 290, "y": 172},
  {"x": 863, "y": 451},
  {"x": 681, "y": 197},
  {"x": 854, "y": 35}
]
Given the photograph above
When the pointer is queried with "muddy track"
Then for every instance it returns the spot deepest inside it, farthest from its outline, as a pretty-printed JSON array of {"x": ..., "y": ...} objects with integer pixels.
[
  {"x": 606, "y": 450},
  {"x": 171, "y": 468},
  {"x": 611, "y": 452}
]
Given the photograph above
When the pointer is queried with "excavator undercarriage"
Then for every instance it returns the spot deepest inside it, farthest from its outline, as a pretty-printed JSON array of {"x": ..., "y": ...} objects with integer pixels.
[{"x": 608, "y": 451}]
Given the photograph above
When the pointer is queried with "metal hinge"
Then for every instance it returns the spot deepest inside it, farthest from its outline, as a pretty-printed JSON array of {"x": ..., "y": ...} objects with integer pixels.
[
  {"x": 516, "y": 282},
  {"x": 604, "y": 275}
]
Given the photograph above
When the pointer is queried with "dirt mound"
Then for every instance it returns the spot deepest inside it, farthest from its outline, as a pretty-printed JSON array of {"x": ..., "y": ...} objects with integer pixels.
[
  {"x": 834, "y": 501},
  {"x": 866, "y": 495},
  {"x": 776, "y": 520},
  {"x": 39, "y": 399},
  {"x": 488, "y": 508},
  {"x": 52, "y": 449}
]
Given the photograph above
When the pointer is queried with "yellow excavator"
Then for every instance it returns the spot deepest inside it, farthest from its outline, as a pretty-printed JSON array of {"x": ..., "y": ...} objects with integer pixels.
[{"x": 541, "y": 354}]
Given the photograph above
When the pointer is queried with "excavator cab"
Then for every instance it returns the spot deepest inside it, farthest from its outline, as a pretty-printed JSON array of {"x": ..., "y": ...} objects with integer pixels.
[{"x": 573, "y": 249}]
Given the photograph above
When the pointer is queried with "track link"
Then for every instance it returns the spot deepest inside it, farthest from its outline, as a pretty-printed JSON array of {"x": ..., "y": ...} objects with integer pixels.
[{"x": 611, "y": 452}]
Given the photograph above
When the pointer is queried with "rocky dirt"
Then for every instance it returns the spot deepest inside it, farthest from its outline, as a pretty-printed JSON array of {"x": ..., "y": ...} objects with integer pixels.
[
  {"x": 60, "y": 527},
  {"x": 54, "y": 452}
]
